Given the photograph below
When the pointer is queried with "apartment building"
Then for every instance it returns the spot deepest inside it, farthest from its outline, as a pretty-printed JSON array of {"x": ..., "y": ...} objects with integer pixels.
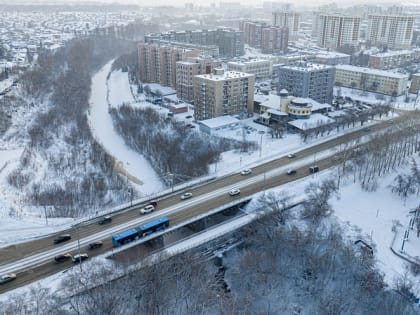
[
  {"x": 373, "y": 80},
  {"x": 391, "y": 59},
  {"x": 262, "y": 69},
  {"x": 157, "y": 64},
  {"x": 307, "y": 80},
  {"x": 186, "y": 70},
  {"x": 415, "y": 83},
  {"x": 223, "y": 93},
  {"x": 391, "y": 31},
  {"x": 229, "y": 41},
  {"x": 269, "y": 39},
  {"x": 336, "y": 31},
  {"x": 288, "y": 19}
]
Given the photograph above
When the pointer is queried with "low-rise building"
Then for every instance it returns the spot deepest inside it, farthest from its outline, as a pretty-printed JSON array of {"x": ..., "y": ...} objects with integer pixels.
[
  {"x": 332, "y": 58},
  {"x": 262, "y": 69},
  {"x": 415, "y": 83},
  {"x": 391, "y": 59},
  {"x": 372, "y": 80}
]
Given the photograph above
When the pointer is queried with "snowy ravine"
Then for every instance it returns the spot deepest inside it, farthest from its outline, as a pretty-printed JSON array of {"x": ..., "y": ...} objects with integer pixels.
[{"x": 140, "y": 172}]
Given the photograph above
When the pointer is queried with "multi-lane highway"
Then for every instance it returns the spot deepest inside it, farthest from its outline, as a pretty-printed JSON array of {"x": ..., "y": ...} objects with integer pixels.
[{"x": 34, "y": 260}]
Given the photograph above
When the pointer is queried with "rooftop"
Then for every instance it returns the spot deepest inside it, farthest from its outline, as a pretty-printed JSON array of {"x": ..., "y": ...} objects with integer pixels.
[
  {"x": 225, "y": 76},
  {"x": 219, "y": 121},
  {"x": 308, "y": 66}
]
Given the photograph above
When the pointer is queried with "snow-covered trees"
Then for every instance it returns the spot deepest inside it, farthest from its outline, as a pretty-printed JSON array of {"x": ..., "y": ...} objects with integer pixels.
[{"x": 169, "y": 145}]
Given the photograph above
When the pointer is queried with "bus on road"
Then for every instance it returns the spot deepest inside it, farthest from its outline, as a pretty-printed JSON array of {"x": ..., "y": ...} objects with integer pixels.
[
  {"x": 154, "y": 226},
  {"x": 125, "y": 237}
]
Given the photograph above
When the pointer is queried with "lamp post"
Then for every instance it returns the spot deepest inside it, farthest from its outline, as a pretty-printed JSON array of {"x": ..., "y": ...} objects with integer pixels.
[{"x": 261, "y": 133}]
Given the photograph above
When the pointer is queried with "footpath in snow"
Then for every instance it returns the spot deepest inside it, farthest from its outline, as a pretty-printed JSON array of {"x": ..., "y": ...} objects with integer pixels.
[{"x": 135, "y": 164}]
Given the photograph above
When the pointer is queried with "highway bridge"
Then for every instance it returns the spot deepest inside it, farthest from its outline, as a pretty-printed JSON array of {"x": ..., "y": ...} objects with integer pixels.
[{"x": 34, "y": 260}]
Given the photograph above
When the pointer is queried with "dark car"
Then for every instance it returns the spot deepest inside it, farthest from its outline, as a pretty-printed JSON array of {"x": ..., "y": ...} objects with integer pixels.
[
  {"x": 153, "y": 203},
  {"x": 291, "y": 172},
  {"x": 314, "y": 169},
  {"x": 95, "y": 244},
  {"x": 62, "y": 238},
  {"x": 80, "y": 257},
  {"x": 105, "y": 219},
  {"x": 62, "y": 257},
  {"x": 7, "y": 278}
]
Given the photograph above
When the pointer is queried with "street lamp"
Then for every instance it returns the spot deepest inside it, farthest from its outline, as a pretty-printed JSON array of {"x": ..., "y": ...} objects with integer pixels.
[
  {"x": 261, "y": 133},
  {"x": 172, "y": 181}
]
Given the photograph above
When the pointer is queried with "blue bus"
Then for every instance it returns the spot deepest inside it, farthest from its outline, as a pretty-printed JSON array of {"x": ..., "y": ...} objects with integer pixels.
[
  {"x": 154, "y": 226},
  {"x": 125, "y": 237}
]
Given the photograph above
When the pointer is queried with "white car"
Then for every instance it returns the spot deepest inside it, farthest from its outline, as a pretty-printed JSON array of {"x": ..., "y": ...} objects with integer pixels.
[
  {"x": 187, "y": 195},
  {"x": 246, "y": 171},
  {"x": 7, "y": 278},
  {"x": 291, "y": 156},
  {"x": 234, "y": 192},
  {"x": 147, "y": 209}
]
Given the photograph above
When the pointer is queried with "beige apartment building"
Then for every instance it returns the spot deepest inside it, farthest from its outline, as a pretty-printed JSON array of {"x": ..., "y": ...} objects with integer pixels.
[
  {"x": 186, "y": 70},
  {"x": 335, "y": 31},
  {"x": 289, "y": 19},
  {"x": 223, "y": 93},
  {"x": 372, "y": 80},
  {"x": 262, "y": 69}
]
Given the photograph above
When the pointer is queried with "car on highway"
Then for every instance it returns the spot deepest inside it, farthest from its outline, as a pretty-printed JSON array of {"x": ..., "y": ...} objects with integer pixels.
[
  {"x": 80, "y": 257},
  {"x": 291, "y": 172},
  {"x": 367, "y": 129},
  {"x": 95, "y": 245},
  {"x": 314, "y": 169},
  {"x": 187, "y": 195},
  {"x": 62, "y": 238},
  {"x": 62, "y": 257},
  {"x": 291, "y": 156},
  {"x": 106, "y": 219},
  {"x": 246, "y": 171},
  {"x": 147, "y": 209},
  {"x": 153, "y": 203},
  {"x": 7, "y": 278},
  {"x": 234, "y": 192}
]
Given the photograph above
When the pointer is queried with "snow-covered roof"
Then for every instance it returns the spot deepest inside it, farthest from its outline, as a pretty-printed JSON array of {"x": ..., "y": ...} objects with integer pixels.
[
  {"x": 226, "y": 75},
  {"x": 165, "y": 90},
  {"x": 393, "y": 53},
  {"x": 331, "y": 54},
  {"x": 219, "y": 121},
  {"x": 378, "y": 72},
  {"x": 276, "y": 112},
  {"x": 315, "y": 120},
  {"x": 308, "y": 66}
]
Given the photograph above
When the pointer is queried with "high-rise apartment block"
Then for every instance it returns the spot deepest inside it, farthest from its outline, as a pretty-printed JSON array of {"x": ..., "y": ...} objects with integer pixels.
[
  {"x": 270, "y": 39},
  {"x": 415, "y": 83},
  {"x": 391, "y": 31},
  {"x": 337, "y": 31},
  {"x": 289, "y": 19},
  {"x": 186, "y": 70},
  {"x": 223, "y": 93},
  {"x": 229, "y": 41},
  {"x": 308, "y": 80},
  {"x": 157, "y": 64}
]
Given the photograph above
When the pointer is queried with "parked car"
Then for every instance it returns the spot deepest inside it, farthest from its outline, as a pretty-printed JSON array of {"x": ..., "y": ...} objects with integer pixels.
[
  {"x": 147, "y": 209},
  {"x": 246, "y": 171},
  {"x": 291, "y": 172},
  {"x": 187, "y": 195},
  {"x": 291, "y": 156},
  {"x": 62, "y": 238},
  {"x": 95, "y": 244},
  {"x": 80, "y": 257},
  {"x": 7, "y": 278},
  {"x": 367, "y": 129},
  {"x": 234, "y": 192},
  {"x": 106, "y": 219},
  {"x": 314, "y": 169},
  {"x": 62, "y": 257}
]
